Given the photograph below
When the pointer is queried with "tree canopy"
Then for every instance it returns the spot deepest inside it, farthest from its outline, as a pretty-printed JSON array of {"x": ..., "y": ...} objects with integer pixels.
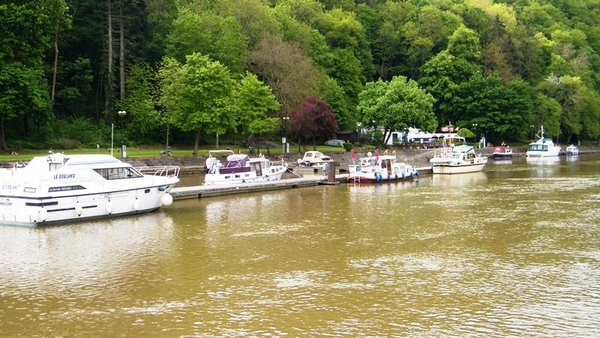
[{"x": 503, "y": 66}]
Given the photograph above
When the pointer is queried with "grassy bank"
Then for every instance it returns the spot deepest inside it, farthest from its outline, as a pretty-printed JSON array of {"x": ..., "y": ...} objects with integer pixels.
[{"x": 152, "y": 152}]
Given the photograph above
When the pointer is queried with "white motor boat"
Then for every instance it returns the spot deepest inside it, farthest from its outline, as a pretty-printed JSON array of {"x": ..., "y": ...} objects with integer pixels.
[
  {"x": 543, "y": 147},
  {"x": 457, "y": 160},
  {"x": 373, "y": 169},
  {"x": 572, "y": 150},
  {"x": 313, "y": 159},
  {"x": 240, "y": 168},
  {"x": 59, "y": 188}
]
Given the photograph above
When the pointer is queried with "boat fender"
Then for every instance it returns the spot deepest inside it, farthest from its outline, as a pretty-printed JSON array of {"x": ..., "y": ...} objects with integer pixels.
[
  {"x": 42, "y": 214},
  {"x": 403, "y": 176},
  {"x": 167, "y": 199},
  {"x": 417, "y": 173},
  {"x": 136, "y": 204},
  {"x": 109, "y": 207},
  {"x": 78, "y": 208},
  {"x": 389, "y": 177},
  {"x": 396, "y": 176}
]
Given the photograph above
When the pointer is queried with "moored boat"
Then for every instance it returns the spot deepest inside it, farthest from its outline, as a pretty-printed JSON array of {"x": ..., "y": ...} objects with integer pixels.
[
  {"x": 59, "y": 188},
  {"x": 240, "y": 168},
  {"x": 313, "y": 159},
  {"x": 543, "y": 147},
  {"x": 457, "y": 160},
  {"x": 572, "y": 150},
  {"x": 502, "y": 152},
  {"x": 372, "y": 169}
]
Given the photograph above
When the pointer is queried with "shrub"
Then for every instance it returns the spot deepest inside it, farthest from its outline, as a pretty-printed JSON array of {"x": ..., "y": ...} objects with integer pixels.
[{"x": 348, "y": 146}]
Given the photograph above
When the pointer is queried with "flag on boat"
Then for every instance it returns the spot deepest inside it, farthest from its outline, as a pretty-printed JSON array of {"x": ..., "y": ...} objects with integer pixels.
[{"x": 352, "y": 155}]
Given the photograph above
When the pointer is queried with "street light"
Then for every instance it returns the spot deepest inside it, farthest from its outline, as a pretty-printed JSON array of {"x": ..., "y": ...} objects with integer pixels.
[
  {"x": 284, "y": 140},
  {"x": 122, "y": 114}
]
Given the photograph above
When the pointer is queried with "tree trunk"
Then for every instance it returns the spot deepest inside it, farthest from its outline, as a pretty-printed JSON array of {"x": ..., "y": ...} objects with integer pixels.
[
  {"x": 109, "y": 60},
  {"x": 55, "y": 59},
  {"x": 196, "y": 142},
  {"x": 121, "y": 53},
  {"x": 2, "y": 138}
]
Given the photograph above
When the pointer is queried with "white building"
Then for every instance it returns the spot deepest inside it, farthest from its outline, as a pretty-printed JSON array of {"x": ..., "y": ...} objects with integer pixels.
[{"x": 415, "y": 135}]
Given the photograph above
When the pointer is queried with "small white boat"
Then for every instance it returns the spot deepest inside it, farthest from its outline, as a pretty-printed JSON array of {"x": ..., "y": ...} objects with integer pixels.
[
  {"x": 572, "y": 150},
  {"x": 313, "y": 159},
  {"x": 543, "y": 147},
  {"x": 240, "y": 168},
  {"x": 59, "y": 188},
  {"x": 373, "y": 169},
  {"x": 458, "y": 160},
  {"x": 502, "y": 152}
]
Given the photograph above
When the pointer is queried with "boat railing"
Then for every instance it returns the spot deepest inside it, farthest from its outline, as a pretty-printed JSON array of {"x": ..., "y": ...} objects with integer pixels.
[{"x": 161, "y": 171}]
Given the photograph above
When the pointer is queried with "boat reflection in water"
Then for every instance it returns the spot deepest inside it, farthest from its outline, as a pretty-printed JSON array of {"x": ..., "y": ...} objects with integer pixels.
[
  {"x": 458, "y": 180},
  {"x": 503, "y": 161},
  {"x": 88, "y": 253},
  {"x": 552, "y": 160}
]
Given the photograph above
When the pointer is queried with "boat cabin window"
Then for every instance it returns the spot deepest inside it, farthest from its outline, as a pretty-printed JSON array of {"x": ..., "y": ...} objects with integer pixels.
[
  {"x": 118, "y": 173},
  {"x": 538, "y": 147}
]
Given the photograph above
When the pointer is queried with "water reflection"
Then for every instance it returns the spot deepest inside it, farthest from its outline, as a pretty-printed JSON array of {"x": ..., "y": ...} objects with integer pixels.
[
  {"x": 553, "y": 160},
  {"x": 511, "y": 251},
  {"x": 90, "y": 253}
]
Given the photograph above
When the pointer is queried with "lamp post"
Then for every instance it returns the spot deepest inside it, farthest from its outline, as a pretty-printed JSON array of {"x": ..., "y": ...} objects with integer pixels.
[
  {"x": 284, "y": 140},
  {"x": 122, "y": 114}
]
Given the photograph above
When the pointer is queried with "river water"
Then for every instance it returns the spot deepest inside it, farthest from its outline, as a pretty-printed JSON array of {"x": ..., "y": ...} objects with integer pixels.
[{"x": 513, "y": 251}]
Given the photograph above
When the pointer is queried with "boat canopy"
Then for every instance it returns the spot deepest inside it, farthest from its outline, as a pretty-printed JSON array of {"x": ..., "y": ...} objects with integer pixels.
[{"x": 237, "y": 161}]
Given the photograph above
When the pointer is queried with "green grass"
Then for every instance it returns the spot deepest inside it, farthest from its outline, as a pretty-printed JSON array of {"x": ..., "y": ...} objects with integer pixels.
[{"x": 151, "y": 152}]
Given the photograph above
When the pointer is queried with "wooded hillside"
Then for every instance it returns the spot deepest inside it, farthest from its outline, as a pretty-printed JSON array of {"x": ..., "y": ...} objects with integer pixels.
[{"x": 196, "y": 71}]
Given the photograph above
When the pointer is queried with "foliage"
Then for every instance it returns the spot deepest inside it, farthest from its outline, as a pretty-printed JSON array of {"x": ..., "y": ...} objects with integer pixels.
[
  {"x": 199, "y": 96},
  {"x": 254, "y": 100},
  {"x": 314, "y": 121},
  {"x": 396, "y": 105},
  {"x": 486, "y": 63}
]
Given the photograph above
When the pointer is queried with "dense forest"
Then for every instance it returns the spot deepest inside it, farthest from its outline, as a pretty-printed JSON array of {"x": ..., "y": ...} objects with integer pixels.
[{"x": 192, "y": 72}]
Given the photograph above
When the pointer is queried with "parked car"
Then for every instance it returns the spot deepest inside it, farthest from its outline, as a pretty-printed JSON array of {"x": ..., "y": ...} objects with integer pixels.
[{"x": 335, "y": 143}]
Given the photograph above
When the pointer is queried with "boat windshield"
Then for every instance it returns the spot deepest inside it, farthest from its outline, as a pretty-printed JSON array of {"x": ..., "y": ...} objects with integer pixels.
[
  {"x": 538, "y": 147},
  {"x": 118, "y": 173}
]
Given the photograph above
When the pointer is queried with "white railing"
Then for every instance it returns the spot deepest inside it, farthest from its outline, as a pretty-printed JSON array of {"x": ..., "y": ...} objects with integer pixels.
[{"x": 163, "y": 171}]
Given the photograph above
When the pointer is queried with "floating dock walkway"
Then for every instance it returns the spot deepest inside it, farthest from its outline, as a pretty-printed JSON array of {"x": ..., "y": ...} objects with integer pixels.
[{"x": 181, "y": 193}]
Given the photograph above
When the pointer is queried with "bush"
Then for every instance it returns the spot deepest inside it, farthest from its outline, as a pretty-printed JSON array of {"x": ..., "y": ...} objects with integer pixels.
[{"x": 348, "y": 146}]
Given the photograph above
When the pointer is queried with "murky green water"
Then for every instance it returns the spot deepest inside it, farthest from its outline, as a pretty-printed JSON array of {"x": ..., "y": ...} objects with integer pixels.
[{"x": 513, "y": 251}]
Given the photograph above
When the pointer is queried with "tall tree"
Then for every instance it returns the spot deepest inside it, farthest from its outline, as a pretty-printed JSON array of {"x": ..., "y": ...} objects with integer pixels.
[
  {"x": 396, "y": 105},
  {"x": 25, "y": 35},
  {"x": 286, "y": 69},
  {"x": 313, "y": 121},
  {"x": 255, "y": 100},
  {"x": 199, "y": 96}
]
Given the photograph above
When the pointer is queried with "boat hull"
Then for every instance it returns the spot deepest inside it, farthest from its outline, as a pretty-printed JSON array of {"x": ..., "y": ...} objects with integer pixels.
[
  {"x": 379, "y": 177},
  {"x": 457, "y": 169},
  {"x": 542, "y": 154},
  {"x": 242, "y": 178}
]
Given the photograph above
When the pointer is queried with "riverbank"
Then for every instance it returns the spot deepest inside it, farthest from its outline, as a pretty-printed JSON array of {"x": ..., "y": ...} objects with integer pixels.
[{"x": 417, "y": 157}]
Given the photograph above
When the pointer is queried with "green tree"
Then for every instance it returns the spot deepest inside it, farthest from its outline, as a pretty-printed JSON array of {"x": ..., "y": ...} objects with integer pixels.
[
  {"x": 499, "y": 111},
  {"x": 210, "y": 34},
  {"x": 144, "y": 121},
  {"x": 396, "y": 105},
  {"x": 199, "y": 96},
  {"x": 442, "y": 75},
  {"x": 255, "y": 100},
  {"x": 25, "y": 35}
]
